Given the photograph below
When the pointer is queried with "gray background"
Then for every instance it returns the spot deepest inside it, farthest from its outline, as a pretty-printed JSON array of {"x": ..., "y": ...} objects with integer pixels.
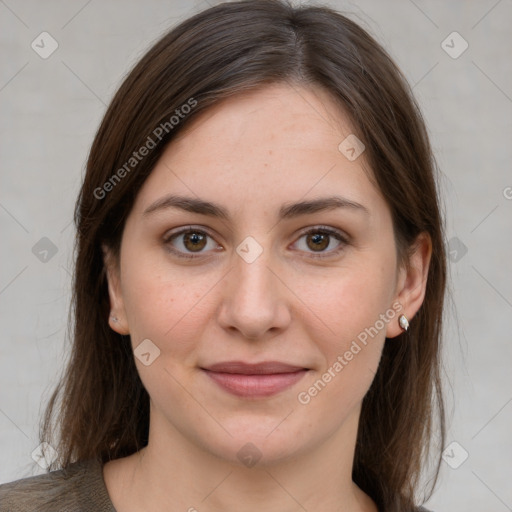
[{"x": 52, "y": 107}]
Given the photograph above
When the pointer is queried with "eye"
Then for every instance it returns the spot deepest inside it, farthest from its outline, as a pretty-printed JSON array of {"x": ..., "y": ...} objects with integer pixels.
[
  {"x": 193, "y": 243},
  {"x": 188, "y": 241},
  {"x": 318, "y": 239}
]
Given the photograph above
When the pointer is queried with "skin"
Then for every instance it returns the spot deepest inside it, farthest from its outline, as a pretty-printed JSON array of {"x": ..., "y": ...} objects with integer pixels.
[{"x": 251, "y": 154}]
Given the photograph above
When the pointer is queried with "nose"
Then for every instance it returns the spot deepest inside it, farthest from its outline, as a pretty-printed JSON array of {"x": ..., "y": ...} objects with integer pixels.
[{"x": 254, "y": 299}]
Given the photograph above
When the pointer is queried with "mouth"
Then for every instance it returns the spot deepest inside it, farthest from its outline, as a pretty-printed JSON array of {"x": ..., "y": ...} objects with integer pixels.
[{"x": 254, "y": 380}]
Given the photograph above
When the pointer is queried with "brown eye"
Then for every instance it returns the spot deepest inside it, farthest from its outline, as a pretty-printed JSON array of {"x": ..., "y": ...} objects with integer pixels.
[
  {"x": 318, "y": 241},
  {"x": 323, "y": 241},
  {"x": 188, "y": 241},
  {"x": 194, "y": 241}
]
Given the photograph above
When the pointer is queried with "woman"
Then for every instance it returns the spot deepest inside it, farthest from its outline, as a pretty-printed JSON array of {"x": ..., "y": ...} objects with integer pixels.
[{"x": 259, "y": 280}]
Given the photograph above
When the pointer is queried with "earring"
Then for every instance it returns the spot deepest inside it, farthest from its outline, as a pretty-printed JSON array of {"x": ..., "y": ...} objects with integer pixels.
[
  {"x": 114, "y": 318},
  {"x": 404, "y": 323}
]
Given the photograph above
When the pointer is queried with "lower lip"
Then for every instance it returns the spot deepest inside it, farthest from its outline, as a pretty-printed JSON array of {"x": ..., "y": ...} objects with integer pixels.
[{"x": 255, "y": 386}]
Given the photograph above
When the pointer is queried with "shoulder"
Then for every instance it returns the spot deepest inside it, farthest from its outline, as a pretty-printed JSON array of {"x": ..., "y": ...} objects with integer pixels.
[{"x": 80, "y": 486}]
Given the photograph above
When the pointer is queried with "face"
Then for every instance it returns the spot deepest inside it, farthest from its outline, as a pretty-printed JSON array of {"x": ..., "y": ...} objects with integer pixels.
[{"x": 264, "y": 281}]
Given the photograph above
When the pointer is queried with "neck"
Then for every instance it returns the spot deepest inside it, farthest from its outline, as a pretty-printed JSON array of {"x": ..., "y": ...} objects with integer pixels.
[{"x": 174, "y": 473}]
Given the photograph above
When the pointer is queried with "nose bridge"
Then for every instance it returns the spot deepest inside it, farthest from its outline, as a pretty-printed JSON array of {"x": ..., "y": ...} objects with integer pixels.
[
  {"x": 251, "y": 270},
  {"x": 252, "y": 300}
]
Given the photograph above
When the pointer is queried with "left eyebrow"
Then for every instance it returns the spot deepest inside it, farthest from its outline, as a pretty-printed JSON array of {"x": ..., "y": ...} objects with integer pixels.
[
  {"x": 321, "y": 204},
  {"x": 287, "y": 211}
]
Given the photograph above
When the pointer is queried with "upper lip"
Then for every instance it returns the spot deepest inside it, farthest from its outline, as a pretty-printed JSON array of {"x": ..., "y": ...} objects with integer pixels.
[{"x": 265, "y": 367}]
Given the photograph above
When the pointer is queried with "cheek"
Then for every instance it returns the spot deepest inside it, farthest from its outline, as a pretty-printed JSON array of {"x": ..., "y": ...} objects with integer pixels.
[
  {"x": 347, "y": 319},
  {"x": 166, "y": 305},
  {"x": 343, "y": 305},
  {"x": 171, "y": 312}
]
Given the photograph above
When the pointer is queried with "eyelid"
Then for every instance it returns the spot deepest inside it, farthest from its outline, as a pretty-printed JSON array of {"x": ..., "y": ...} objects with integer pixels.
[
  {"x": 185, "y": 229},
  {"x": 327, "y": 229}
]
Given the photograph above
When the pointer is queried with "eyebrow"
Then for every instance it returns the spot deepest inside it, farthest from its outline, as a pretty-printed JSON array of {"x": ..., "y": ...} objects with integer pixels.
[{"x": 287, "y": 211}]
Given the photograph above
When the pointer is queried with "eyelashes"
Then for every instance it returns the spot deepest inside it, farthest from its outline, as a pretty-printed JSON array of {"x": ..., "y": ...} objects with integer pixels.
[{"x": 195, "y": 244}]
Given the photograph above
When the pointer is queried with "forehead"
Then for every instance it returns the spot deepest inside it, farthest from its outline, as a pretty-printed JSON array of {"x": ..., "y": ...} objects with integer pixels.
[
  {"x": 290, "y": 117},
  {"x": 261, "y": 146}
]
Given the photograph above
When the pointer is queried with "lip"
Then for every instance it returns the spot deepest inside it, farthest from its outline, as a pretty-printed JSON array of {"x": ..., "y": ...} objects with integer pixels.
[
  {"x": 265, "y": 367},
  {"x": 255, "y": 380}
]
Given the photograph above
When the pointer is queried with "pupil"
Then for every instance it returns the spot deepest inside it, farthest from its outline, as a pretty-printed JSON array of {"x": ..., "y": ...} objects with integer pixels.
[
  {"x": 195, "y": 239},
  {"x": 318, "y": 239}
]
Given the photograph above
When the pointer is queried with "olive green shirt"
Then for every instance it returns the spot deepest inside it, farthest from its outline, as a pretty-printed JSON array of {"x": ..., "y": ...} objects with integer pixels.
[{"x": 78, "y": 488}]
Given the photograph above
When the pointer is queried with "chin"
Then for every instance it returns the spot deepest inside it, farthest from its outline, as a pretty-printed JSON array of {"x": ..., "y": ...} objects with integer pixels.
[{"x": 257, "y": 444}]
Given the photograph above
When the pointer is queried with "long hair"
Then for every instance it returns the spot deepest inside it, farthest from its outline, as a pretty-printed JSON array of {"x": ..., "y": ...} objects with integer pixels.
[{"x": 100, "y": 408}]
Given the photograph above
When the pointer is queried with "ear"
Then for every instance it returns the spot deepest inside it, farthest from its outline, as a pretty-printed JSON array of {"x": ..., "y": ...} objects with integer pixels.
[
  {"x": 117, "y": 319},
  {"x": 412, "y": 282}
]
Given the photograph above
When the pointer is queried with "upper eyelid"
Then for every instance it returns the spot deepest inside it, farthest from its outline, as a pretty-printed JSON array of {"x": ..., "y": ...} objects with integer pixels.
[
  {"x": 329, "y": 229},
  {"x": 302, "y": 231},
  {"x": 180, "y": 231}
]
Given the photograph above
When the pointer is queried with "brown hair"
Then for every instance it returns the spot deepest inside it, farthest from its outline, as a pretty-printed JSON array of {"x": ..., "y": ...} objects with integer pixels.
[{"x": 222, "y": 51}]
